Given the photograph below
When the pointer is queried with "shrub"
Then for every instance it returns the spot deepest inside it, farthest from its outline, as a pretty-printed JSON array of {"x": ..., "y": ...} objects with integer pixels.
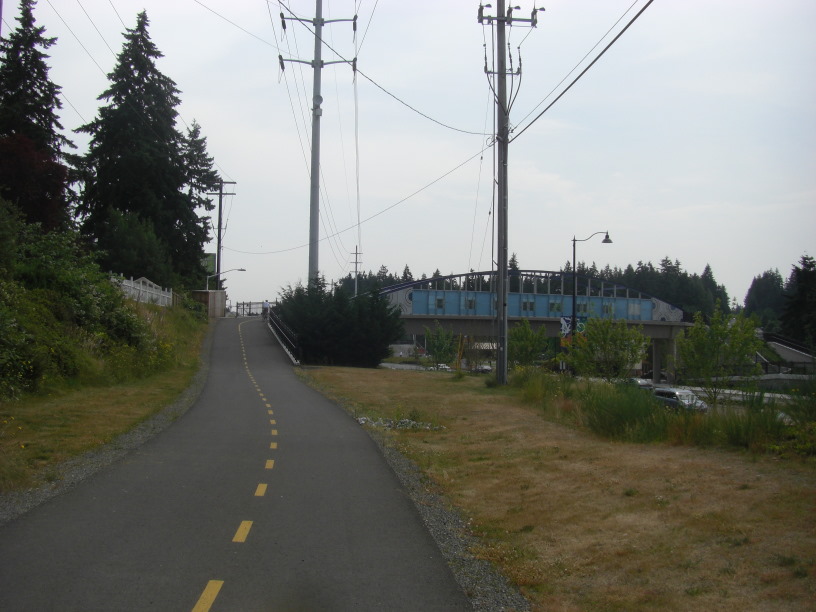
[{"x": 624, "y": 413}]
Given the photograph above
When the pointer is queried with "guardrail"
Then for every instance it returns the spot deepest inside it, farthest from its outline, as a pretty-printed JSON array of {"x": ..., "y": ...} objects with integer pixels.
[{"x": 286, "y": 337}]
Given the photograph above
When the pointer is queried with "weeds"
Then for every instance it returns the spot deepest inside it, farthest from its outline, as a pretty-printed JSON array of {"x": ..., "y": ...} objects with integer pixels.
[{"x": 628, "y": 414}]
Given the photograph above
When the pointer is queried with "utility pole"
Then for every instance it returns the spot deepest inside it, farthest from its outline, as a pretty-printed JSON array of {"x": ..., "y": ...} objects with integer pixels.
[
  {"x": 220, "y": 195},
  {"x": 317, "y": 99},
  {"x": 502, "y": 20},
  {"x": 356, "y": 269}
]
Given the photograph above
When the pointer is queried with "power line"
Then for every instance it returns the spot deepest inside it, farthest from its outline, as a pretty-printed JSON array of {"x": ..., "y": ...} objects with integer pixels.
[
  {"x": 95, "y": 28},
  {"x": 584, "y": 71},
  {"x": 381, "y": 88},
  {"x": 375, "y": 215}
]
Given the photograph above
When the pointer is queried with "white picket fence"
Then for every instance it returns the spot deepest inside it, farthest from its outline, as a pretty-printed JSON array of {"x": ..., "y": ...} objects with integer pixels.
[{"x": 144, "y": 290}]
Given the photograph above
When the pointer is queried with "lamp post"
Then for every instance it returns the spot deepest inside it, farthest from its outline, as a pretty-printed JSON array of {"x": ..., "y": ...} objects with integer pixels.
[
  {"x": 573, "y": 322},
  {"x": 220, "y": 273}
]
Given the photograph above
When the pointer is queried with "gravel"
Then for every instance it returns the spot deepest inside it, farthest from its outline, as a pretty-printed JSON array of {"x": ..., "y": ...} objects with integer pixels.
[{"x": 487, "y": 589}]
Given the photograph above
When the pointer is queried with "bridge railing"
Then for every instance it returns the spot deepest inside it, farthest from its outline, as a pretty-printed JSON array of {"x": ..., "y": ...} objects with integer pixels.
[
  {"x": 285, "y": 334},
  {"x": 527, "y": 290}
]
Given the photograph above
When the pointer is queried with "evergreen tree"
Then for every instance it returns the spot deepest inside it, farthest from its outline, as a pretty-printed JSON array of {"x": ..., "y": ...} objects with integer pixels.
[
  {"x": 766, "y": 299},
  {"x": 141, "y": 166},
  {"x": 799, "y": 317},
  {"x": 514, "y": 284},
  {"x": 31, "y": 173}
]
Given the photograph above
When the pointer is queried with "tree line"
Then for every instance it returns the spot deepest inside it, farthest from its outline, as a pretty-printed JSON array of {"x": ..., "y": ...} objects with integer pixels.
[{"x": 137, "y": 196}]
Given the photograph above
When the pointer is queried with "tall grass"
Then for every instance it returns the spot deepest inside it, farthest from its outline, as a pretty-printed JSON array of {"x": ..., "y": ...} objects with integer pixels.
[
  {"x": 629, "y": 414},
  {"x": 68, "y": 416},
  {"x": 624, "y": 413}
]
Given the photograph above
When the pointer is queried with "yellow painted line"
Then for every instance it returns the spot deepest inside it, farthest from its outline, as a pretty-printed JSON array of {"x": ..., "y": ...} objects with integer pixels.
[
  {"x": 273, "y": 445},
  {"x": 270, "y": 463},
  {"x": 272, "y": 422},
  {"x": 269, "y": 406},
  {"x": 269, "y": 411},
  {"x": 207, "y": 598},
  {"x": 261, "y": 490},
  {"x": 243, "y": 531},
  {"x": 274, "y": 432}
]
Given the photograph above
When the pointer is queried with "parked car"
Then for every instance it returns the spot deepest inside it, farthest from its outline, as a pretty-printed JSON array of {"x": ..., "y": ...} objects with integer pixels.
[
  {"x": 680, "y": 399},
  {"x": 483, "y": 368},
  {"x": 441, "y": 367},
  {"x": 640, "y": 383}
]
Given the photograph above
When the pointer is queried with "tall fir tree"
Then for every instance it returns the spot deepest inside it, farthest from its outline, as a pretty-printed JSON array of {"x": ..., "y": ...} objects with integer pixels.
[
  {"x": 799, "y": 316},
  {"x": 32, "y": 173},
  {"x": 136, "y": 172}
]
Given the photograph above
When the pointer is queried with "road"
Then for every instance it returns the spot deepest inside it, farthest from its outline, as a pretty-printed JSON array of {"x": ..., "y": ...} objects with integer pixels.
[{"x": 263, "y": 496}]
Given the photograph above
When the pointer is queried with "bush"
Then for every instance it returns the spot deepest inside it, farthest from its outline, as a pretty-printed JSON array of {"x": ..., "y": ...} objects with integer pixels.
[{"x": 624, "y": 413}]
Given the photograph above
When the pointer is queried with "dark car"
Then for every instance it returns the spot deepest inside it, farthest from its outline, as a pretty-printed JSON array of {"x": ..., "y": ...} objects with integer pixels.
[
  {"x": 680, "y": 399},
  {"x": 640, "y": 383}
]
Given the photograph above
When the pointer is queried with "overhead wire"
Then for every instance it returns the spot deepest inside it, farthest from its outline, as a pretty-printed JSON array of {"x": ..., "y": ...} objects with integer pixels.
[
  {"x": 381, "y": 88},
  {"x": 380, "y": 212},
  {"x": 95, "y": 28},
  {"x": 585, "y": 70}
]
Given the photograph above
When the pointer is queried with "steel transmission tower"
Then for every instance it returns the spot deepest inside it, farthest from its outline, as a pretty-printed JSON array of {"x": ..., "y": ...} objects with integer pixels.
[
  {"x": 502, "y": 19},
  {"x": 317, "y": 64}
]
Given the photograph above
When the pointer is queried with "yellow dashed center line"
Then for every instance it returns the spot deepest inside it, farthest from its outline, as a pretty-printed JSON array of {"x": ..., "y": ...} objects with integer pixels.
[
  {"x": 207, "y": 598},
  {"x": 261, "y": 490},
  {"x": 270, "y": 464},
  {"x": 274, "y": 432},
  {"x": 273, "y": 445},
  {"x": 243, "y": 531},
  {"x": 272, "y": 422}
]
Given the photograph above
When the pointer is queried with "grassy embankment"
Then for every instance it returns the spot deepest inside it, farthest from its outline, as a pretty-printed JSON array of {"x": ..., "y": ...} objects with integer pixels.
[
  {"x": 113, "y": 394},
  {"x": 580, "y": 522}
]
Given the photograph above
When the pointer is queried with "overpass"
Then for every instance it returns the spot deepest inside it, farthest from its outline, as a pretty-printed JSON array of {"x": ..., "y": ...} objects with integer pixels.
[{"x": 466, "y": 304}]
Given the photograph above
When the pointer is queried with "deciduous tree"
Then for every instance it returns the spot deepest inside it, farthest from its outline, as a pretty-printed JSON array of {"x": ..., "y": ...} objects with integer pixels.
[
  {"x": 608, "y": 348},
  {"x": 441, "y": 344},
  {"x": 712, "y": 351},
  {"x": 525, "y": 346}
]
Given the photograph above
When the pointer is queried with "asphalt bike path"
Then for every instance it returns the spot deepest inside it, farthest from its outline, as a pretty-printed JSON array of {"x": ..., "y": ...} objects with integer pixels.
[{"x": 263, "y": 496}]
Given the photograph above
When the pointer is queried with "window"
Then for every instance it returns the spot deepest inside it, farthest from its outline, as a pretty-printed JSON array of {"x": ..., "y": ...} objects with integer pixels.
[
  {"x": 581, "y": 308},
  {"x": 556, "y": 306},
  {"x": 440, "y": 303},
  {"x": 609, "y": 308},
  {"x": 470, "y": 303},
  {"x": 634, "y": 309},
  {"x": 528, "y": 306}
]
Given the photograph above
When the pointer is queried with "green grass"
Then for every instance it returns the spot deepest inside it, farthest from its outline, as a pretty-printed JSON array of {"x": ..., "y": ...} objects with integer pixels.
[
  {"x": 629, "y": 414},
  {"x": 69, "y": 416}
]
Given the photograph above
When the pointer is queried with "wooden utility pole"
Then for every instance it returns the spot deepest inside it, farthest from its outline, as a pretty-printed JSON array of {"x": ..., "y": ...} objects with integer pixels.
[
  {"x": 220, "y": 193},
  {"x": 503, "y": 18},
  {"x": 317, "y": 99}
]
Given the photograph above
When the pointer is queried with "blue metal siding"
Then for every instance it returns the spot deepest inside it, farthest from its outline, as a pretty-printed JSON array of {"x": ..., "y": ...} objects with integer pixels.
[{"x": 456, "y": 303}]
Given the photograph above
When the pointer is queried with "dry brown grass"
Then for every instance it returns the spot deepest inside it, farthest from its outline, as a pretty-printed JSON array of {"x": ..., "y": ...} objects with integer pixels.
[{"x": 580, "y": 523}]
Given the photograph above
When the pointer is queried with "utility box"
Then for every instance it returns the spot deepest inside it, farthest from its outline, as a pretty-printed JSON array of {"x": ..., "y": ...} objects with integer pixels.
[{"x": 215, "y": 302}]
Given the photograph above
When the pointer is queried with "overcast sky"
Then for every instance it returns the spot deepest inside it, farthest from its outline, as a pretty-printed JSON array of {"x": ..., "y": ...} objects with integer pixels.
[{"x": 692, "y": 138}]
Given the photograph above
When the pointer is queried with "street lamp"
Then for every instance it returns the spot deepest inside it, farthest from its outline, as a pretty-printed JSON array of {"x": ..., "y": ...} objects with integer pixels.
[
  {"x": 220, "y": 273},
  {"x": 573, "y": 322}
]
